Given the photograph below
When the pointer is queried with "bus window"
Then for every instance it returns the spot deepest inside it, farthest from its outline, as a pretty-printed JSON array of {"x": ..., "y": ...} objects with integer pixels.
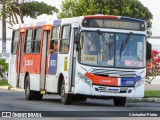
[
  {"x": 65, "y": 41},
  {"x": 27, "y": 46},
  {"x": 37, "y": 40},
  {"x": 54, "y": 40},
  {"x": 14, "y": 42},
  {"x": 53, "y": 46}
]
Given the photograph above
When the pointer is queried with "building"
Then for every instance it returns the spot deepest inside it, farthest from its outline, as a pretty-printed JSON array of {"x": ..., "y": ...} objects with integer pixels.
[{"x": 8, "y": 49}]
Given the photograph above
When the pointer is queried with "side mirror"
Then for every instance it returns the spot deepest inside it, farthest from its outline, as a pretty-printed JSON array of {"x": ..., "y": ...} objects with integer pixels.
[
  {"x": 148, "y": 51},
  {"x": 81, "y": 41},
  {"x": 77, "y": 39},
  {"x": 76, "y": 36}
]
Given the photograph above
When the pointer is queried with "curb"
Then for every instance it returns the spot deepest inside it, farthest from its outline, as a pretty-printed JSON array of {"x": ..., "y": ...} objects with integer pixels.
[
  {"x": 15, "y": 89},
  {"x": 157, "y": 100},
  {"x": 11, "y": 88}
]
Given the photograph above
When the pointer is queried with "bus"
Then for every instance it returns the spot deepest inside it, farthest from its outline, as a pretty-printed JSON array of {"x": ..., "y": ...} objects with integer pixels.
[{"x": 94, "y": 56}]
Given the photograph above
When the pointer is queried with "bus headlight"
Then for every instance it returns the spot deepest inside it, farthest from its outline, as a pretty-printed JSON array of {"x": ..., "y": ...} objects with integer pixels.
[
  {"x": 139, "y": 82},
  {"x": 84, "y": 78}
]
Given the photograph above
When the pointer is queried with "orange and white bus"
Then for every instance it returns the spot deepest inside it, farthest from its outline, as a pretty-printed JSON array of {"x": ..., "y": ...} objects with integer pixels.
[{"x": 96, "y": 56}]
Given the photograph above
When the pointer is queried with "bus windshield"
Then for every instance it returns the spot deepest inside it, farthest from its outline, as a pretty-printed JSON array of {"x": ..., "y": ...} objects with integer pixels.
[{"x": 105, "y": 49}]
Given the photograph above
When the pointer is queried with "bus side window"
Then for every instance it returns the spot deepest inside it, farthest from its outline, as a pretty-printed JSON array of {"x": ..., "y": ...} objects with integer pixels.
[
  {"x": 27, "y": 46},
  {"x": 54, "y": 41},
  {"x": 37, "y": 40},
  {"x": 65, "y": 40},
  {"x": 14, "y": 42}
]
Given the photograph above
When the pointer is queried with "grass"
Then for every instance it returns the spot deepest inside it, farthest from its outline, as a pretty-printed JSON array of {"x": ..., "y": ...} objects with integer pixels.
[
  {"x": 152, "y": 93},
  {"x": 4, "y": 83}
]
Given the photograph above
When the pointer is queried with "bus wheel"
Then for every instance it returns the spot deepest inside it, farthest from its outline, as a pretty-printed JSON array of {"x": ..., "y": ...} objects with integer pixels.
[
  {"x": 66, "y": 99},
  {"x": 83, "y": 99},
  {"x": 28, "y": 93},
  {"x": 121, "y": 101},
  {"x": 38, "y": 96}
]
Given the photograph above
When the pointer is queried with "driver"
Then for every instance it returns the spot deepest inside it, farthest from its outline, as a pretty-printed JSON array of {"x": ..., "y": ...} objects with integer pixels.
[{"x": 93, "y": 40}]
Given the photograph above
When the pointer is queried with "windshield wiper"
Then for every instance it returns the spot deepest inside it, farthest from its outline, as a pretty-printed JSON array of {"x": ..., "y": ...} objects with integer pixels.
[
  {"x": 124, "y": 43},
  {"x": 105, "y": 42}
]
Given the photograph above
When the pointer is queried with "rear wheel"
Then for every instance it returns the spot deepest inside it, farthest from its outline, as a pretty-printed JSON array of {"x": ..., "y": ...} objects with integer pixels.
[
  {"x": 66, "y": 99},
  {"x": 30, "y": 94},
  {"x": 121, "y": 101}
]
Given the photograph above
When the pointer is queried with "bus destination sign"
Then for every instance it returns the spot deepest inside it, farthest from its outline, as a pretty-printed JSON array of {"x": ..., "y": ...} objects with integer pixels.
[{"x": 114, "y": 24}]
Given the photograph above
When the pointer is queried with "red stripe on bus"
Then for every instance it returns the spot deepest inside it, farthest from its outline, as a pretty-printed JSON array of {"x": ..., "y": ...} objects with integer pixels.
[
  {"x": 101, "y": 80},
  {"x": 102, "y": 16}
]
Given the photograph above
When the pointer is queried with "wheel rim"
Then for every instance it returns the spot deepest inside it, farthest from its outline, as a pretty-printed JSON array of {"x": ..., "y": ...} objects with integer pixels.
[
  {"x": 63, "y": 91},
  {"x": 27, "y": 89}
]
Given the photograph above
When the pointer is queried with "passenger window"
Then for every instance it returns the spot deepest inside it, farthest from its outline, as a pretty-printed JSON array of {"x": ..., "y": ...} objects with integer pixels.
[
  {"x": 37, "y": 40},
  {"x": 54, "y": 40},
  {"x": 14, "y": 42},
  {"x": 65, "y": 41},
  {"x": 27, "y": 46}
]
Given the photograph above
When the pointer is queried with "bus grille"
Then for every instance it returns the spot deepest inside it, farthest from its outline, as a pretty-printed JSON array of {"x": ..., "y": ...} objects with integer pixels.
[{"x": 104, "y": 89}]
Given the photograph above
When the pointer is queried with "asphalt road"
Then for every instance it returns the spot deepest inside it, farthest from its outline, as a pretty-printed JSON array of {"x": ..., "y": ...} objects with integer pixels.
[
  {"x": 12, "y": 100},
  {"x": 15, "y": 101}
]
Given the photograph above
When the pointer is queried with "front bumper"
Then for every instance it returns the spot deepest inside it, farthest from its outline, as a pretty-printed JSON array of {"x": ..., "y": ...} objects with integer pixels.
[{"x": 107, "y": 91}]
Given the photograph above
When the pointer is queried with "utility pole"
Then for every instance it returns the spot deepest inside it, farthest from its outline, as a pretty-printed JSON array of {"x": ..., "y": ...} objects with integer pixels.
[{"x": 4, "y": 33}]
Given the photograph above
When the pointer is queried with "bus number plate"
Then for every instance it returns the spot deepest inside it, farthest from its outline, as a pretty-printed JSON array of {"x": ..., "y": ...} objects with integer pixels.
[{"x": 113, "y": 90}]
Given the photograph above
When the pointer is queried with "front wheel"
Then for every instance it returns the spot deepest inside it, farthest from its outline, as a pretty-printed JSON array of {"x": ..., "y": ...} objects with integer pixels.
[
  {"x": 66, "y": 99},
  {"x": 120, "y": 101}
]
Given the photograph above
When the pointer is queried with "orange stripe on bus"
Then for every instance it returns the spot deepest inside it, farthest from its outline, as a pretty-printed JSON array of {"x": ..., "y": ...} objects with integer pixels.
[{"x": 100, "y": 80}]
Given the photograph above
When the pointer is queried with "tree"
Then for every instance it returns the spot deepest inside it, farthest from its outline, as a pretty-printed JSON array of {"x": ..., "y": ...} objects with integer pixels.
[
  {"x": 20, "y": 8},
  {"x": 3, "y": 14},
  {"x": 153, "y": 69},
  {"x": 3, "y": 68},
  {"x": 14, "y": 9},
  {"x": 130, "y": 8}
]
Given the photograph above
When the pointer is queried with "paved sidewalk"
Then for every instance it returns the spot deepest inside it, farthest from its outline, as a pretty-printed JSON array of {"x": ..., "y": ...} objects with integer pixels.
[
  {"x": 156, "y": 81},
  {"x": 155, "y": 84},
  {"x": 152, "y": 87}
]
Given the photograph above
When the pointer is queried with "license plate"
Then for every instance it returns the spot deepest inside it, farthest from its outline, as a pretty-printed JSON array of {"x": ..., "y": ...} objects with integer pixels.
[{"x": 113, "y": 90}]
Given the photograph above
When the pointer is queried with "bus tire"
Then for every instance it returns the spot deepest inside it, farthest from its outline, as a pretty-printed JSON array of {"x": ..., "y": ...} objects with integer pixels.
[
  {"x": 120, "y": 101},
  {"x": 83, "y": 99},
  {"x": 29, "y": 94},
  {"x": 66, "y": 99},
  {"x": 38, "y": 96}
]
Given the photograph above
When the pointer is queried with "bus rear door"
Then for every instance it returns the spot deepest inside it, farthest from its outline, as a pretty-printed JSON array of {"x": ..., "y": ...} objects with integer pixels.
[{"x": 19, "y": 55}]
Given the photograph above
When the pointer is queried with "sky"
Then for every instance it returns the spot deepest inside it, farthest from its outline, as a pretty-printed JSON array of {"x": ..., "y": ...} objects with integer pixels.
[{"x": 153, "y": 6}]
